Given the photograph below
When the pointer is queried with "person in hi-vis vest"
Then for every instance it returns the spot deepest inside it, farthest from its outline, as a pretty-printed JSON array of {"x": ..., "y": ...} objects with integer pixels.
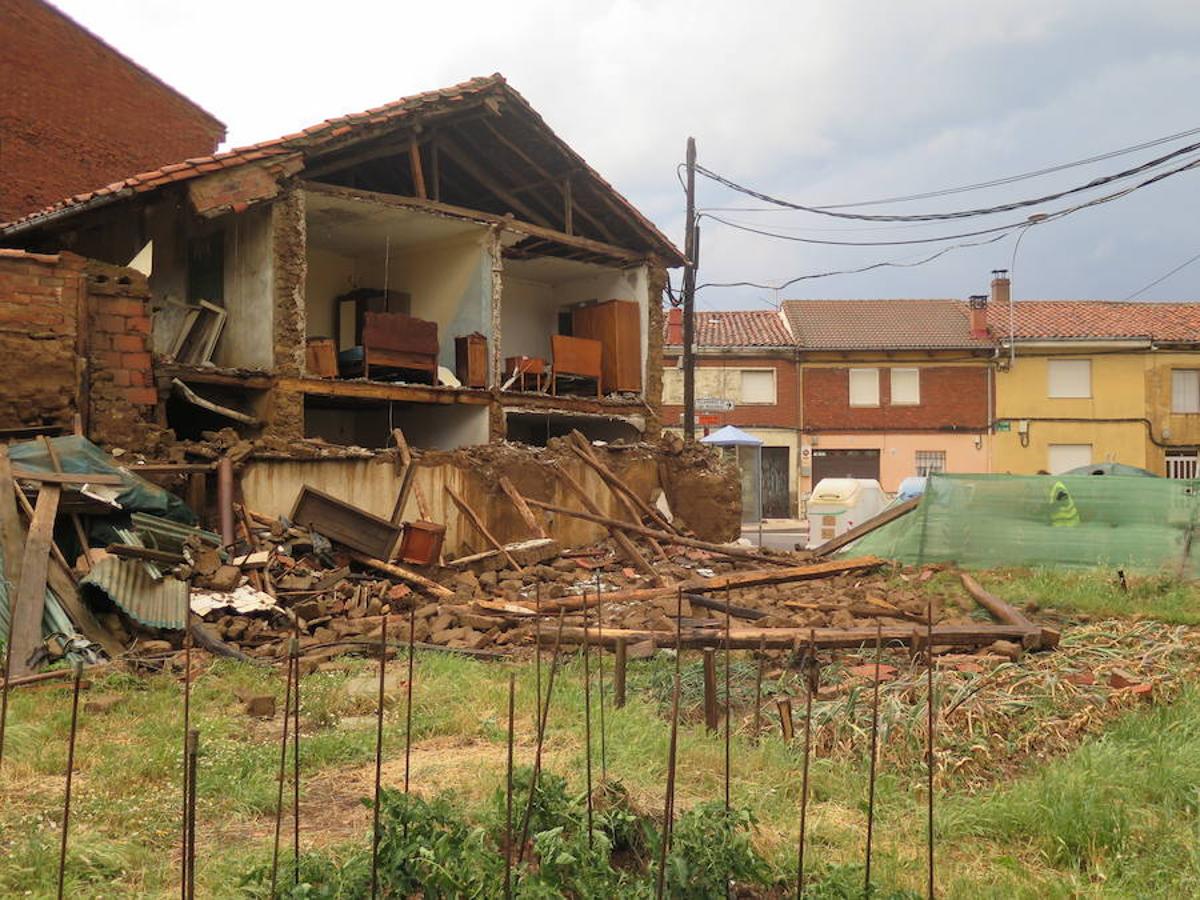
[{"x": 1062, "y": 507}]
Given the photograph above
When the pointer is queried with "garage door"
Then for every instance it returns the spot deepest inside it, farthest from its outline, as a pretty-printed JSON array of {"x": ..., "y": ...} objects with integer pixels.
[{"x": 845, "y": 464}]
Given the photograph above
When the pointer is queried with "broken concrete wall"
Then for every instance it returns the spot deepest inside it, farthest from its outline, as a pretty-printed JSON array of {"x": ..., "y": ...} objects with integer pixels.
[{"x": 271, "y": 485}]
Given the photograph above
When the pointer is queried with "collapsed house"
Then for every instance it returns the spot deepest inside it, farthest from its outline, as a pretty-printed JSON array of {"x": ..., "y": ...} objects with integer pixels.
[{"x": 444, "y": 264}]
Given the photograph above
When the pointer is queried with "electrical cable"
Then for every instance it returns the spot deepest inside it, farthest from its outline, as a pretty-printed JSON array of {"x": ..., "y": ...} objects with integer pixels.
[
  {"x": 958, "y": 214},
  {"x": 1162, "y": 278}
]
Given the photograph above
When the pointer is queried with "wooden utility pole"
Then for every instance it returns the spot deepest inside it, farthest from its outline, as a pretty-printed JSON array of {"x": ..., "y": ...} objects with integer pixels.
[{"x": 689, "y": 300}]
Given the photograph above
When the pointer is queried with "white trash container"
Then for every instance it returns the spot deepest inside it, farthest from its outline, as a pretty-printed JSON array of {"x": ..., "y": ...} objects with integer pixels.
[{"x": 838, "y": 504}]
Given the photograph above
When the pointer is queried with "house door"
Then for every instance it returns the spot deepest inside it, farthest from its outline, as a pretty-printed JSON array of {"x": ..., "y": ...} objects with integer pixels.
[
  {"x": 775, "y": 476},
  {"x": 844, "y": 464}
]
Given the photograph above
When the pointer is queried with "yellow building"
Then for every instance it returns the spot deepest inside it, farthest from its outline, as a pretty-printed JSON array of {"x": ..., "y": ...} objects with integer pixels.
[{"x": 1082, "y": 383}]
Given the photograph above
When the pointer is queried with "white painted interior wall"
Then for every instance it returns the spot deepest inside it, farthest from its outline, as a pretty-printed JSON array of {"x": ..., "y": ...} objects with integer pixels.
[
  {"x": 528, "y": 316},
  {"x": 613, "y": 284},
  {"x": 247, "y": 341}
]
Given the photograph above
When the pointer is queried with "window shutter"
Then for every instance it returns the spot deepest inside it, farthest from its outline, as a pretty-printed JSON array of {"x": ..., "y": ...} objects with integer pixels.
[
  {"x": 864, "y": 387},
  {"x": 1069, "y": 378},
  {"x": 906, "y": 387},
  {"x": 1185, "y": 390}
]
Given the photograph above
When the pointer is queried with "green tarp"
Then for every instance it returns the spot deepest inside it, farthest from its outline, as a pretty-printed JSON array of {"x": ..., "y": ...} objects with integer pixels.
[{"x": 1068, "y": 521}]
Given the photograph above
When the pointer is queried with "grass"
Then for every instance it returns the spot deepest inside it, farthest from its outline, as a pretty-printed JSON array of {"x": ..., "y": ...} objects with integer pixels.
[{"x": 1108, "y": 808}]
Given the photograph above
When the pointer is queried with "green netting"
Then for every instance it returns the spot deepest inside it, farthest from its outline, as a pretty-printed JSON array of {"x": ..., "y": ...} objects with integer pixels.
[{"x": 1071, "y": 521}]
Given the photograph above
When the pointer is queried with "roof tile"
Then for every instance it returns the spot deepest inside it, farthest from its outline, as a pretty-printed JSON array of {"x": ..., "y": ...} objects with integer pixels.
[
  {"x": 924, "y": 324},
  {"x": 741, "y": 328}
]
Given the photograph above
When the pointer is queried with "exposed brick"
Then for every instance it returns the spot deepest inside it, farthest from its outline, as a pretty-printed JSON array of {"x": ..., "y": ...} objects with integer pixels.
[
  {"x": 122, "y": 306},
  {"x": 138, "y": 324},
  {"x": 106, "y": 322},
  {"x": 783, "y": 414},
  {"x": 141, "y": 395},
  {"x": 120, "y": 377},
  {"x": 86, "y": 119},
  {"x": 130, "y": 343},
  {"x": 951, "y": 396},
  {"x": 135, "y": 361}
]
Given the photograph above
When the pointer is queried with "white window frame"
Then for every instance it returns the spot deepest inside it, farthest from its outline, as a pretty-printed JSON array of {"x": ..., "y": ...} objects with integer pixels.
[
  {"x": 1178, "y": 407},
  {"x": 863, "y": 373},
  {"x": 938, "y": 463},
  {"x": 1183, "y": 464},
  {"x": 741, "y": 395},
  {"x": 916, "y": 375},
  {"x": 1061, "y": 392}
]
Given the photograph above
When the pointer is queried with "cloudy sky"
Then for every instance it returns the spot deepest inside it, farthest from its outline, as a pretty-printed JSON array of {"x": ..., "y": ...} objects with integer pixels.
[{"x": 818, "y": 102}]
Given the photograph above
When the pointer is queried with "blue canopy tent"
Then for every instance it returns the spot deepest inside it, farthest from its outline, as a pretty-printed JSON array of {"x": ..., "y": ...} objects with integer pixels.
[{"x": 747, "y": 451}]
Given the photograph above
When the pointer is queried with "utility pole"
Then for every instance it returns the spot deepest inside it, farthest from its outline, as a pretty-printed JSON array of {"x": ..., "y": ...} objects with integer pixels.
[{"x": 689, "y": 300}]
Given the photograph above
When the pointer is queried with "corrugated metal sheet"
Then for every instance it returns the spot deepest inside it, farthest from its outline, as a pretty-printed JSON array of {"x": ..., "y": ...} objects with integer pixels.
[
  {"x": 54, "y": 621},
  {"x": 163, "y": 534},
  {"x": 158, "y": 603}
]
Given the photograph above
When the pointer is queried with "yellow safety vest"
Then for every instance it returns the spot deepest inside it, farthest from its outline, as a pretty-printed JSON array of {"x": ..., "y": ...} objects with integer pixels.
[{"x": 1062, "y": 507}]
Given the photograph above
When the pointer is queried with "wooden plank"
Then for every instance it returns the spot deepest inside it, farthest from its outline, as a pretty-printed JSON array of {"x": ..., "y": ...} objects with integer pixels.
[
  {"x": 196, "y": 400},
  {"x": 12, "y": 531},
  {"x": 1007, "y": 613},
  {"x": 403, "y": 574},
  {"x": 406, "y": 475},
  {"x": 350, "y": 526},
  {"x": 400, "y": 393},
  {"x": 735, "y": 580},
  {"x": 615, "y": 529},
  {"x": 414, "y": 164},
  {"x": 76, "y": 522},
  {"x": 622, "y": 499},
  {"x": 849, "y": 537},
  {"x": 481, "y": 528},
  {"x": 786, "y": 638},
  {"x": 588, "y": 455},
  {"x": 721, "y": 549},
  {"x": 522, "y": 507},
  {"x": 23, "y": 474},
  {"x": 25, "y": 614}
]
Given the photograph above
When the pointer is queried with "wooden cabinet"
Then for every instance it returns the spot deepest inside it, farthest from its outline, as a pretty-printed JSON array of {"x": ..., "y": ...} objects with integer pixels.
[
  {"x": 617, "y": 325},
  {"x": 470, "y": 360}
]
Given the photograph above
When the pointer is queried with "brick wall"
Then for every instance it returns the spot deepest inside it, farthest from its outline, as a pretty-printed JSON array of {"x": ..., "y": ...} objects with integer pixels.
[
  {"x": 76, "y": 115},
  {"x": 950, "y": 396},
  {"x": 45, "y": 360},
  {"x": 784, "y": 413}
]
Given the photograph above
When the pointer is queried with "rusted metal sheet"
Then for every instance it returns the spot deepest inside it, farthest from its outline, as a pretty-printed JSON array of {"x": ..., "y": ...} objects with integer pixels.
[
  {"x": 355, "y": 528},
  {"x": 157, "y": 603}
]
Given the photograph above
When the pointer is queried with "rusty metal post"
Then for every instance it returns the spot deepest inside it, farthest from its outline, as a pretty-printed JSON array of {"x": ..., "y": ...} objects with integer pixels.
[
  {"x": 537, "y": 655},
  {"x": 187, "y": 726},
  {"x": 672, "y": 750},
  {"x": 620, "y": 660},
  {"x": 225, "y": 500},
  {"x": 408, "y": 692},
  {"x": 12, "y": 605},
  {"x": 378, "y": 758},
  {"x": 541, "y": 735},
  {"x": 600, "y": 677},
  {"x": 930, "y": 736},
  {"x": 587, "y": 720},
  {"x": 508, "y": 800},
  {"x": 283, "y": 745},
  {"x": 874, "y": 756},
  {"x": 728, "y": 707},
  {"x": 812, "y": 675},
  {"x": 193, "y": 751},
  {"x": 758, "y": 680},
  {"x": 296, "y": 756},
  {"x": 66, "y": 816},
  {"x": 709, "y": 656}
]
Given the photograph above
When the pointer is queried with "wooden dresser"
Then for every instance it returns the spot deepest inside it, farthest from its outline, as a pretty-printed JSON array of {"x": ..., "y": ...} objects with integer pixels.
[{"x": 617, "y": 325}]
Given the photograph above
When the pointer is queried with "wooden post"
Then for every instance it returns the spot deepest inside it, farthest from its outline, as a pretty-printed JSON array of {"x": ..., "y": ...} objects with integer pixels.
[
  {"x": 615, "y": 529},
  {"x": 710, "y": 689},
  {"x": 480, "y": 527},
  {"x": 418, "y": 175},
  {"x": 619, "y": 664},
  {"x": 197, "y": 494},
  {"x": 522, "y": 507},
  {"x": 786, "y": 725},
  {"x": 25, "y": 628}
]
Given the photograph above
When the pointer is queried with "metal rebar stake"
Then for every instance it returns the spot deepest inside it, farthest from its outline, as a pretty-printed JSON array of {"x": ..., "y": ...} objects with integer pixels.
[
  {"x": 600, "y": 675},
  {"x": 587, "y": 720},
  {"x": 874, "y": 756},
  {"x": 66, "y": 816},
  {"x": 811, "y": 674},
  {"x": 541, "y": 735},
  {"x": 508, "y": 801},
  {"x": 930, "y": 737},
  {"x": 378, "y": 758},
  {"x": 283, "y": 745}
]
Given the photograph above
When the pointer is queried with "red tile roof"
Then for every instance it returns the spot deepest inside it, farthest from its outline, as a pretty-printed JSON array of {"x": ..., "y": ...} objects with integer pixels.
[
  {"x": 1097, "y": 320},
  {"x": 740, "y": 328},
  {"x": 881, "y": 325},
  {"x": 296, "y": 146}
]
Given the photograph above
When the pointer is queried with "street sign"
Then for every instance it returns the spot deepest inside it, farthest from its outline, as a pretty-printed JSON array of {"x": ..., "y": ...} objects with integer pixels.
[
  {"x": 713, "y": 404},
  {"x": 703, "y": 419}
]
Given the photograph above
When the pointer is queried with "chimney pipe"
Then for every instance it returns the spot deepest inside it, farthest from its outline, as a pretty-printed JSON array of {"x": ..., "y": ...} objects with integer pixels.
[
  {"x": 1001, "y": 287},
  {"x": 978, "y": 304},
  {"x": 674, "y": 326}
]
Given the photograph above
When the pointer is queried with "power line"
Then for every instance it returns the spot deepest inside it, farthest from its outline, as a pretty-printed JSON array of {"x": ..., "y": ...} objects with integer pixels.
[
  {"x": 879, "y": 265},
  {"x": 1162, "y": 278},
  {"x": 958, "y": 214},
  {"x": 1011, "y": 179}
]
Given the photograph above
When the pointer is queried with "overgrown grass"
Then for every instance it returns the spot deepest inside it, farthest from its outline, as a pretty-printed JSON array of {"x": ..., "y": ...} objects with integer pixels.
[{"x": 1117, "y": 816}]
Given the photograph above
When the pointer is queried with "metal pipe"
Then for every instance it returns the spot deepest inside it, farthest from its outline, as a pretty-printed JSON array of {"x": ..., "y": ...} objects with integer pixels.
[
  {"x": 66, "y": 816},
  {"x": 225, "y": 499}
]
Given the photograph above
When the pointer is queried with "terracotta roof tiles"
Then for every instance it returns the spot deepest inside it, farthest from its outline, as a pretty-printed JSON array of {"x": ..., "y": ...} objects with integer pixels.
[
  {"x": 742, "y": 328},
  {"x": 1097, "y": 320},
  {"x": 925, "y": 324}
]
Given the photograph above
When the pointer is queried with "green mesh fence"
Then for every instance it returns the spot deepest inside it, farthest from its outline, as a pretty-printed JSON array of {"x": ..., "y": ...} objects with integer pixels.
[{"x": 1071, "y": 521}]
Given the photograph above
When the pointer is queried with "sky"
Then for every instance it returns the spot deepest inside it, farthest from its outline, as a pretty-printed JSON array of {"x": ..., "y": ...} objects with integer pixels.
[{"x": 819, "y": 103}]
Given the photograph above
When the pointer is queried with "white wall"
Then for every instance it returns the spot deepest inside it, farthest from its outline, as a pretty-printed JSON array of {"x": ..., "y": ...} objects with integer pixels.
[
  {"x": 329, "y": 275},
  {"x": 247, "y": 341},
  {"x": 613, "y": 284},
  {"x": 528, "y": 317}
]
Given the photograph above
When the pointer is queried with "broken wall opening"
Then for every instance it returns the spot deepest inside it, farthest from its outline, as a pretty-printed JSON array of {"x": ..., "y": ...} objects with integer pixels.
[
  {"x": 431, "y": 267},
  {"x": 194, "y": 408},
  {"x": 536, "y": 428},
  {"x": 370, "y": 424}
]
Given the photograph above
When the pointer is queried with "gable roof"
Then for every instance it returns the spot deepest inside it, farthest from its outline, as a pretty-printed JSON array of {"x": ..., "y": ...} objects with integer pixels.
[
  {"x": 739, "y": 328},
  {"x": 930, "y": 324},
  {"x": 1097, "y": 320},
  {"x": 335, "y": 134}
]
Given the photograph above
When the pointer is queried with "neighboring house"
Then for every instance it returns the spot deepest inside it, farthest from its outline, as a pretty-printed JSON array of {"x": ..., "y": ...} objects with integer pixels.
[
  {"x": 746, "y": 360},
  {"x": 75, "y": 113},
  {"x": 891, "y": 388},
  {"x": 328, "y": 284},
  {"x": 1090, "y": 381}
]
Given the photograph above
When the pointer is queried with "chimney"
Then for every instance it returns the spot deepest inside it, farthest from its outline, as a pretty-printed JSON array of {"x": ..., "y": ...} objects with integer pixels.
[
  {"x": 979, "y": 313},
  {"x": 674, "y": 327},
  {"x": 1001, "y": 287}
]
